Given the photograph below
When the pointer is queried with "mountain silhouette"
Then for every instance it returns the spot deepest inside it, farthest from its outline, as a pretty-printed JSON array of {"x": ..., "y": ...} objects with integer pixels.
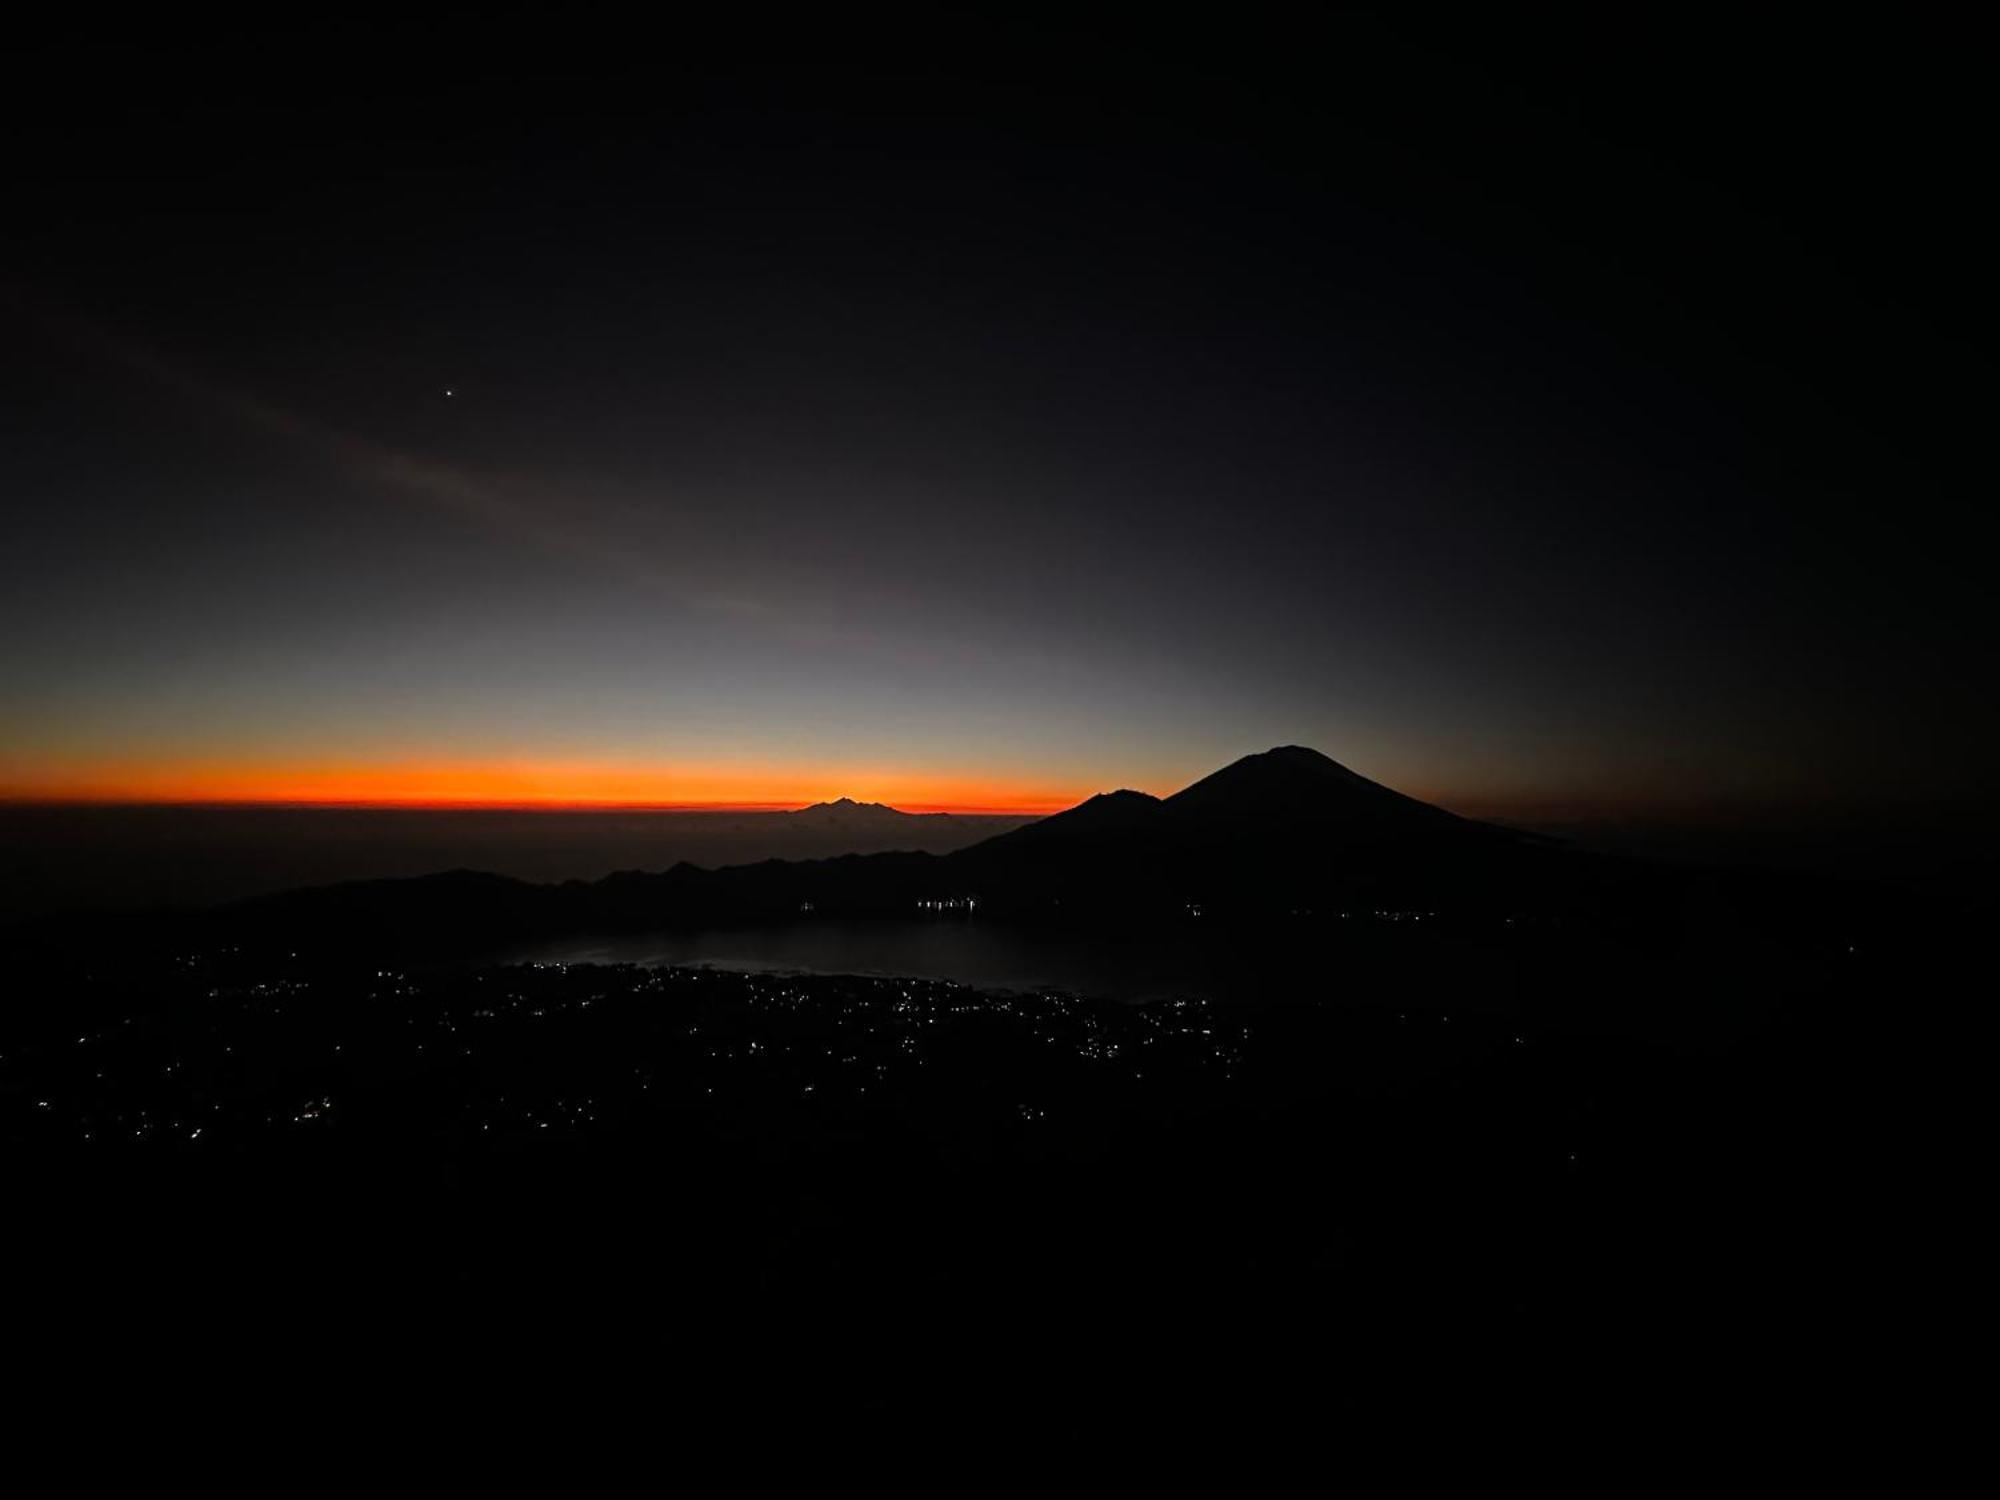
[
  {"x": 847, "y": 805},
  {"x": 1108, "y": 813},
  {"x": 1286, "y": 831},
  {"x": 1286, "y": 828},
  {"x": 879, "y": 817}
]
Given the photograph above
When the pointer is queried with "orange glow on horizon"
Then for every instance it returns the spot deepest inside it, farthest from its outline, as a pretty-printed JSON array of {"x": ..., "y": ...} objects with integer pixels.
[{"x": 526, "y": 785}]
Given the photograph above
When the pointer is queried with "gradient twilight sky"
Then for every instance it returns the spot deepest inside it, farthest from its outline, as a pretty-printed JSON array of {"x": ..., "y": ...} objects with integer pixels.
[{"x": 1522, "y": 417}]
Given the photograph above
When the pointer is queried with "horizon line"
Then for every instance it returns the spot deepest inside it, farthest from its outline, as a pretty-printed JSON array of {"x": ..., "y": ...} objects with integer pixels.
[{"x": 522, "y": 804}]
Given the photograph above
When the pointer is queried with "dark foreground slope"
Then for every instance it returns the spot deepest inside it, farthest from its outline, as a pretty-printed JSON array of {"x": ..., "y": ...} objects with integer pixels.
[{"x": 895, "y": 1199}]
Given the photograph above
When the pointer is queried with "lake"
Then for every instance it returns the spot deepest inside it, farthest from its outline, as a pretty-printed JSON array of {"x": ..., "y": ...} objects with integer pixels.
[{"x": 1215, "y": 961}]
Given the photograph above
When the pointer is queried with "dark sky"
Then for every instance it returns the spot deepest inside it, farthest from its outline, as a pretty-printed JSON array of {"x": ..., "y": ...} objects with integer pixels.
[{"x": 1535, "y": 416}]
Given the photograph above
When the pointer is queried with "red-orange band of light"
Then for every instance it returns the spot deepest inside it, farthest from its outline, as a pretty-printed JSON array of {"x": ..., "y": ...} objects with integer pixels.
[{"x": 534, "y": 784}]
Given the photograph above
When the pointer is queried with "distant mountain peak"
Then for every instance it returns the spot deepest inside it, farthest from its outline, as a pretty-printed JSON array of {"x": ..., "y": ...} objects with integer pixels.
[{"x": 849, "y": 805}]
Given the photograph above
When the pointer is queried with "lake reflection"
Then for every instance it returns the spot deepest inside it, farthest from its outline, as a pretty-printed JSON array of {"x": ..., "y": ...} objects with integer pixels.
[{"x": 1133, "y": 966}]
